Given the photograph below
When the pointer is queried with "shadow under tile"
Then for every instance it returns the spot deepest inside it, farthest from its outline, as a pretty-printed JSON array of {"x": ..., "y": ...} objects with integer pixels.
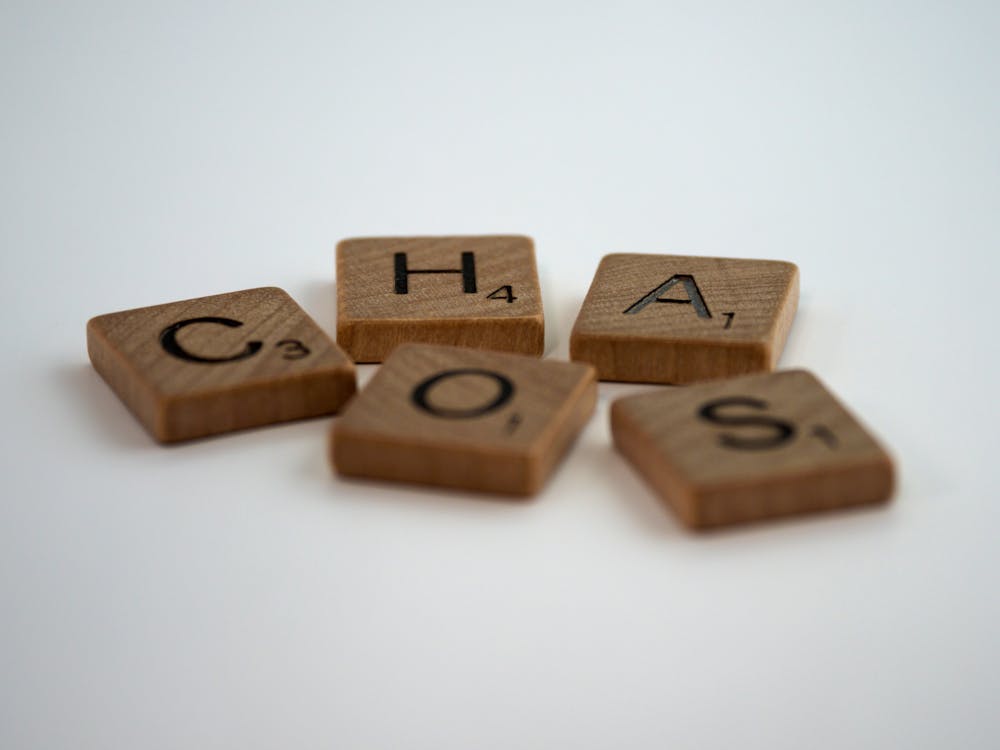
[{"x": 97, "y": 405}]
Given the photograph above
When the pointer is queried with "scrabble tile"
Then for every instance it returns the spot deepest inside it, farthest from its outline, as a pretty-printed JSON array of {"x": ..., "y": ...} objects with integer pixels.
[
  {"x": 679, "y": 319},
  {"x": 479, "y": 292},
  {"x": 751, "y": 448},
  {"x": 215, "y": 364},
  {"x": 455, "y": 417}
]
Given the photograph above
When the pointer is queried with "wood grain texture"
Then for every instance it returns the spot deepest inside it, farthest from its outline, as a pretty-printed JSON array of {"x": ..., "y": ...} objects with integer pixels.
[
  {"x": 275, "y": 363},
  {"x": 425, "y": 418},
  {"x": 751, "y": 448},
  {"x": 715, "y": 318},
  {"x": 374, "y": 314}
]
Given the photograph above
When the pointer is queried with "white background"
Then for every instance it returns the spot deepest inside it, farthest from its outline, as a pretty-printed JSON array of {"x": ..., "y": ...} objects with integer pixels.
[{"x": 232, "y": 593}]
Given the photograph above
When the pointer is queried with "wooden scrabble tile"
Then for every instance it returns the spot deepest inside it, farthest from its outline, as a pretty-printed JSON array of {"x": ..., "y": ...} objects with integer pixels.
[
  {"x": 479, "y": 292},
  {"x": 680, "y": 319},
  {"x": 750, "y": 448},
  {"x": 215, "y": 364},
  {"x": 455, "y": 417}
]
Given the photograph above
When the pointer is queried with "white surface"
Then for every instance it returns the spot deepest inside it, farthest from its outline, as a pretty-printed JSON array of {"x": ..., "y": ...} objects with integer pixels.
[{"x": 233, "y": 593}]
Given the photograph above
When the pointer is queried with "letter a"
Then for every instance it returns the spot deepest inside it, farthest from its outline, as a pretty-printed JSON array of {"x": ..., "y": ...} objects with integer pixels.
[{"x": 690, "y": 288}]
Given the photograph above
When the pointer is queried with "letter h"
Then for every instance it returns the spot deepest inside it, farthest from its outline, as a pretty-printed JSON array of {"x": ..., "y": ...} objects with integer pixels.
[{"x": 468, "y": 271}]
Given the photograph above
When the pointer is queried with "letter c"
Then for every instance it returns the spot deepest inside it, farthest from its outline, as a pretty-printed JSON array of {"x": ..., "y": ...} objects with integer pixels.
[{"x": 168, "y": 340}]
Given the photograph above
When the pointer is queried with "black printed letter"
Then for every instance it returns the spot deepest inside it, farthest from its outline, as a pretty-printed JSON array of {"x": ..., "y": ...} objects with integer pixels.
[
  {"x": 783, "y": 431},
  {"x": 168, "y": 340},
  {"x": 690, "y": 288},
  {"x": 419, "y": 395},
  {"x": 468, "y": 271}
]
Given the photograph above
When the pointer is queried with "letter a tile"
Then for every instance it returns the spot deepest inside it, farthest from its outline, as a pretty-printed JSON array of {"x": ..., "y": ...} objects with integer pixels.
[
  {"x": 479, "y": 292},
  {"x": 679, "y": 319},
  {"x": 455, "y": 417},
  {"x": 750, "y": 448},
  {"x": 215, "y": 364}
]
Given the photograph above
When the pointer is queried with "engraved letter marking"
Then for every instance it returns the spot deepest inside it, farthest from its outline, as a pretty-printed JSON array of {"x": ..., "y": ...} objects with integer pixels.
[
  {"x": 420, "y": 393},
  {"x": 168, "y": 340},
  {"x": 690, "y": 288},
  {"x": 403, "y": 271},
  {"x": 782, "y": 431}
]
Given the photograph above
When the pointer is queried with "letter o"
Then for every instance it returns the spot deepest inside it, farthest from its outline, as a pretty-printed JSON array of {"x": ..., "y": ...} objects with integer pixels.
[{"x": 420, "y": 393}]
